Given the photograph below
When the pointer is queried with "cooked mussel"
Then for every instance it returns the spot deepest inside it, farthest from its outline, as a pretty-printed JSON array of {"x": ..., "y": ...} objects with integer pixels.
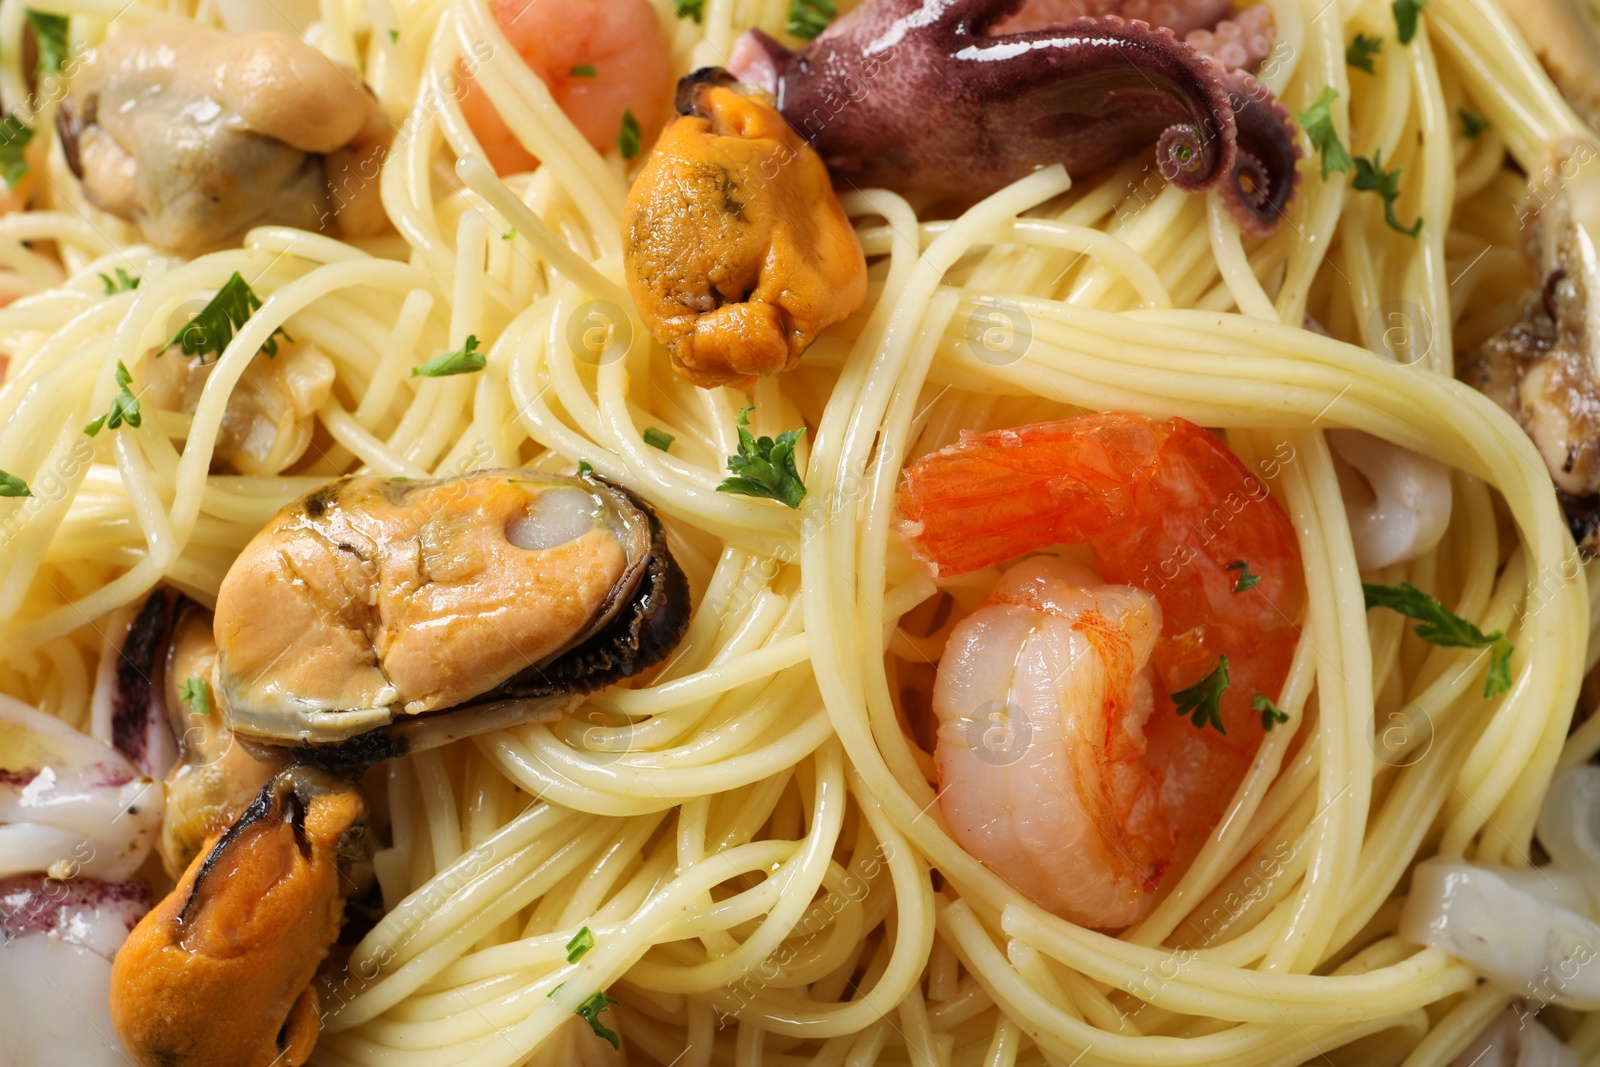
[
  {"x": 387, "y": 614},
  {"x": 248, "y": 925}
]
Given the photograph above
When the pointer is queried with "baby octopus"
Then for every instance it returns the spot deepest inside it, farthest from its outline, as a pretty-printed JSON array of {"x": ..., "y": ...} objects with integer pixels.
[{"x": 930, "y": 95}]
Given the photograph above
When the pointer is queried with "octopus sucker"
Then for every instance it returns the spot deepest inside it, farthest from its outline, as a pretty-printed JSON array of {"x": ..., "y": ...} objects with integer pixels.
[{"x": 1085, "y": 94}]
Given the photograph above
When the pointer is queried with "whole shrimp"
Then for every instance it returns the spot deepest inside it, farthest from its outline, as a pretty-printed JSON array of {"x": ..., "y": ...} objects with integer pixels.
[
  {"x": 1100, "y": 793},
  {"x": 602, "y": 59}
]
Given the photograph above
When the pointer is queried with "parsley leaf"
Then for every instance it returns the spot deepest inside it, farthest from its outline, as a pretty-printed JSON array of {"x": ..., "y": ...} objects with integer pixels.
[
  {"x": 658, "y": 438},
  {"x": 1472, "y": 123},
  {"x": 14, "y": 137},
  {"x": 1202, "y": 701},
  {"x": 394, "y": 36},
  {"x": 1271, "y": 714},
  {"x": 589, "y": 1011},
  {"x": 808, "y": 18},
  {"x": 1405, "y": 17},
  {"x": 1317, "y": 121},
  {"x": 124, "y": 406},
  {"x": 1361, "y": 50},
  {"x": 585, "y": 468},
  {"x": 212, "y": 329},
  {"x": 581, "y": 942},
  {"x": 690, "y": 9},
  {"x": 765, "y": 467},
  {"x": 628, "y": 139},
  {"x": 1438, "y": 625},
  {"x": 464, "y": 360},
  {"x": 50, "y": 31},
  {"x": 509, "y": 235},
  {"x": 196, "y": 692},
  {"x": 1247, "y": 581},
  {"x": 583, "y": 70},
  {"x": 1372, "y": 178},
  {"x": 122, "y": 283},
  {"x": 11, "y": 485}
]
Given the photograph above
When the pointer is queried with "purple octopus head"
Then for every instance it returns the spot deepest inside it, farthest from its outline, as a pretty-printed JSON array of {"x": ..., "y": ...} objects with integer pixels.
[{"x": 920, "y": 94}]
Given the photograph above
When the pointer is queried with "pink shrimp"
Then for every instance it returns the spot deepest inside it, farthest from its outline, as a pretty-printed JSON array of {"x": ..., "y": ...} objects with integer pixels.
[
  {"x": 1062, "y": 765},
  {"x": 602, "y": 59}
]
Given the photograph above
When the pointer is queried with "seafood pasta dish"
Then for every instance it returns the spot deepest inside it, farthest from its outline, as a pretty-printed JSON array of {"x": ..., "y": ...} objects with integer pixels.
[{"x": 813, "y": 533}]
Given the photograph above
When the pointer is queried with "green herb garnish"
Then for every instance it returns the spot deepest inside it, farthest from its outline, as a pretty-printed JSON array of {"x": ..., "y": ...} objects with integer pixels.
[
  {"x": 1271, "y": 714},
  {"x": 765, "y": 467},
  {"x": 124, "y": 406},
  {"x": 1372, "y": 178},
  {"x": 1406, "y": 13},
  {"x": 628, "y": 139},
  {"x": 1247, "y": 581},
  {"x": 1317, "y": 121},
  {"x": 1472, "y": 123},
  {"x": 584, "y": 70},
  {"x": 1438, "y": 625},
  {"x": 581, "y": 942},
  {"x": 196, "y": 692},
  {"x": 1361, "y": 50},
  {"x": 464, "y": 360},
  {"x": 584, "y": 468},
  {"x": 589, "y": 1011},
  {"x": 211, "y": 331},
  {"x": 1202, "y": 701},
  {"x": 14, "y": 137},
  {"x": 394, "y": 36},
  {"x": 11, "y": 485},
  {"x": 808, "y": 18},
  {"x": 122, "y": 283},
  {"x": 50, "y": 31},
  {"x": 658, "y": 438},
  {"x": 690, "y": 9},
  {"x": 509, "y": 235}
]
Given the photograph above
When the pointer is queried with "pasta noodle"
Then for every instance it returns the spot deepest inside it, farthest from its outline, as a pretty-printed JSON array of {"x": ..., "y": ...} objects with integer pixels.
[{"x": 752, "y": 834}]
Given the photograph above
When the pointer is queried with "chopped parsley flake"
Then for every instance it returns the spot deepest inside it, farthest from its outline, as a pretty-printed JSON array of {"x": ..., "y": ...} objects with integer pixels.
[
  {"x": 808, "y": 18},
  {"x": 14, "y": 137},
  {"x": 585, "y": 70},
  {"x": 122, "y": 283},
  {"x": 11, "y": 485},
  {"x": 690, "y": 9},
  {"x": 1406, "y": 13},
  {"x": 1472, "y": 123},
  {"x": 50, "y": 31},
  {"x": 1438, "y": 625},
  {"x": 658, "y": 438},
  {"x": 628, "y": 139},
  {"x": 211, "y": 331},
  {"x": 1247, "y": 581},
  {"x": 765, "y": 467},
  {"x": 581, "y": 942},
  {"x": 589, "y": 1011},
  {"x": 196, "y": 692},
  {"x": 464, "y": 360},
  {"x": 1372, "y": 178},
  {"x": 124, "y": 406},
  {"x": 1317, "y": 121},
  {"x": 1202, "y": 701},
  {"x": 1271, "y": 714},
  {"x": 1361, "y": 50}
]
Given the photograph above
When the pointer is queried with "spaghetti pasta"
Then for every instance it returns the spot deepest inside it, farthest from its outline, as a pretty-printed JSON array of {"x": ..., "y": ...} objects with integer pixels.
[{"x": 751, "y": 834}]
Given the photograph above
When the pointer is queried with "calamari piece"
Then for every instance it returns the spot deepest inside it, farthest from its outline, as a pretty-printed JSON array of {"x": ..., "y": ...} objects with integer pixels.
[
  {"x": 920, "y": 95},
  {"x": 219, "y": 973},
  {"x": 55, "y": 968},
  {"x": 1542, "y": 368},
  {"x": 70, "y": 806},
  {"x": 196, "y": 135},
  {"x": 267, "y": 425},
  {"x": 738, "y": 253},
  {"x": 216, "y": 778},
  {"x": 127, "y": 711},
  {"x": 375, "y": 601}
]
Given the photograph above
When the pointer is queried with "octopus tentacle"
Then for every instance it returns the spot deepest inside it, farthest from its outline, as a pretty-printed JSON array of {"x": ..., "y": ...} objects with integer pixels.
[
  {"x": 1239, "y": 37},
  {"x": 1264, "y": 175},
  {"x": 915, "y": 94}
]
